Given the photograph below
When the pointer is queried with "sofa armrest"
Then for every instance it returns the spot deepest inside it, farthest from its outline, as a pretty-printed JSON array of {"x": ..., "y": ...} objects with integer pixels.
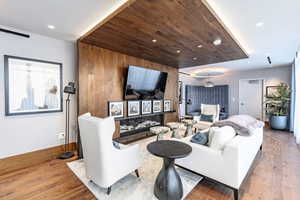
[
  {"x": 239, "y": 153},
  {"x": 131, "y": 152},
  {"x": 129, "y": 159}
]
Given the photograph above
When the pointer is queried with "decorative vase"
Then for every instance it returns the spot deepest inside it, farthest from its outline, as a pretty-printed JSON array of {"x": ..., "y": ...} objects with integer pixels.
[{"x": 278, "y": 122}]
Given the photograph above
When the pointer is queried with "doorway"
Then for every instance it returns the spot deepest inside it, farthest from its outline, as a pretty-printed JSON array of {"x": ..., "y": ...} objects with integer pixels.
[{"x": 251, "y": 97}]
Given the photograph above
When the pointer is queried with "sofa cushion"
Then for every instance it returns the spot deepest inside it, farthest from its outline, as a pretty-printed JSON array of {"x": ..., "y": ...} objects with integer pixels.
[
  {"x": 207, "y": 118},
  {"x": 211, "y": 134},
  {"x": 200, "y": 138},
  {"x": 221, "y": 136}
]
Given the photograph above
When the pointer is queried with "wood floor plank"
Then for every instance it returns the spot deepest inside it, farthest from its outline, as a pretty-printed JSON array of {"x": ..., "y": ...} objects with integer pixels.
[{"x": 275, "y": 176}]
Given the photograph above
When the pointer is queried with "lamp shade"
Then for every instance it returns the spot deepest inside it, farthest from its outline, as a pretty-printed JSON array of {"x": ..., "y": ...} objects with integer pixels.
[{"x": 70, "y": 88}]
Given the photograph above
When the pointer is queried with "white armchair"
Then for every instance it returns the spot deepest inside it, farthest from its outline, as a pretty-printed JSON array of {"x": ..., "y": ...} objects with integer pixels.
[
  {"x": 104, "y": 163},
  {"x": 207, "y": 109},
  {"x": 214, "y": 110}
]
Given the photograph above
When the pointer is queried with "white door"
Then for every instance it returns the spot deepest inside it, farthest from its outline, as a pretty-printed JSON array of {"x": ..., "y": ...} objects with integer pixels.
[{"x": 251, "y": 98}]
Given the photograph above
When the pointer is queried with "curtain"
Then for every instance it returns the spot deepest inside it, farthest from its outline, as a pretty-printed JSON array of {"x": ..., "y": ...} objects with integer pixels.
[{"x": 295, "y": 97}]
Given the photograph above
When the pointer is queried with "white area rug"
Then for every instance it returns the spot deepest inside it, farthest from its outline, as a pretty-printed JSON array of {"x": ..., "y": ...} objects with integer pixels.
[{"x": 131, "y": 187}]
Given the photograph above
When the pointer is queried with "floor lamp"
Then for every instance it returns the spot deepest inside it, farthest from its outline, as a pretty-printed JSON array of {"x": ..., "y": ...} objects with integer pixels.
[{"x": 69, "y": 89}]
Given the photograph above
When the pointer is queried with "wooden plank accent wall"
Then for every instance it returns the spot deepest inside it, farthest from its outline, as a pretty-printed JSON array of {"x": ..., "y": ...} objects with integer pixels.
[
  {"x": 17, "y": 162},
  {"x": 102, "y": 74}
]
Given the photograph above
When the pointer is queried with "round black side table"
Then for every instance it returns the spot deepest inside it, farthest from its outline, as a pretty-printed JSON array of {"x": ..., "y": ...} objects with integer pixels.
[{"x": 168, "y": 185}]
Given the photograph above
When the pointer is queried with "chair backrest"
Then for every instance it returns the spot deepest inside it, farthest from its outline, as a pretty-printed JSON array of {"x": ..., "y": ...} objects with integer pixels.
[
  {"x": 96, "y": 138},
  {"x": 208, "y": 109}
]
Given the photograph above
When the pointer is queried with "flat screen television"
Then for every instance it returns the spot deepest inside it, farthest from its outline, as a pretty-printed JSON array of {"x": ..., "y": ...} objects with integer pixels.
[{"x": 145, "y": 83}]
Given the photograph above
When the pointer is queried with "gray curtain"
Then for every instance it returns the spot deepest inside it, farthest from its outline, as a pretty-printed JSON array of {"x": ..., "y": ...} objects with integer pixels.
[{"x": 293, "y": 97}]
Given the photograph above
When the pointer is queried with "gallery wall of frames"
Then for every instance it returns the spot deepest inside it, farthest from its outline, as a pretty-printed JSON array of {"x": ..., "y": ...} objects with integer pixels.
[{"x": 138, "y": 107}]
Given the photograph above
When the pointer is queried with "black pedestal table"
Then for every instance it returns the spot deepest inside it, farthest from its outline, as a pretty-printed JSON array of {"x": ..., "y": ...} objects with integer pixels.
[{"x": 168, "y": 185}]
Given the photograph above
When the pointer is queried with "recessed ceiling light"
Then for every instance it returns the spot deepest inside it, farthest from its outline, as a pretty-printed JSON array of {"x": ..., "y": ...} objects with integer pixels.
[
  {"x": 51, "y": 27},
  {"x": 154, "y": 40},
  {"x": 217, "y": 42},
  {"x": 178, "y": 51},
  {"x": 259, "y": 24},
  {"x": 195, "y": 58},
  {"x": 200, "y": 46}
]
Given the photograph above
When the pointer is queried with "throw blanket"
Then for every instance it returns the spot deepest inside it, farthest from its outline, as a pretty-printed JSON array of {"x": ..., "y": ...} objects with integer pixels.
[{"x": 244, "y": 125}]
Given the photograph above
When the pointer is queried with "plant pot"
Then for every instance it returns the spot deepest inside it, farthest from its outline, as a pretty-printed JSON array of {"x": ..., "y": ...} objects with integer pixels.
[{"x": 278, "y": 122}]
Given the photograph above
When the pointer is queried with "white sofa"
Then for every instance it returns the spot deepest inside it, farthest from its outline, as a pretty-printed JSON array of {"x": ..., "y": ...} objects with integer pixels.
[
  {"x": 104, "y": 163},
  {"x": 228, "y": 166}
]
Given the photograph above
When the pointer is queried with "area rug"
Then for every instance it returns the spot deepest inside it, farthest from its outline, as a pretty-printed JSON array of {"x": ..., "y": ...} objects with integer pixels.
[{"x": 131, "y": 187}]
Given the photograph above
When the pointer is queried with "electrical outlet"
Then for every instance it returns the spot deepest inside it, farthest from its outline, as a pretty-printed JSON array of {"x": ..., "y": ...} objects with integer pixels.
[{"x": 61, "y": 135}]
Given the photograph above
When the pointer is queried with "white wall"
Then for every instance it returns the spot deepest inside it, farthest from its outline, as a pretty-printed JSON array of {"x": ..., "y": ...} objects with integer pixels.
[
  {"x": 21, "y": 134},
  {"x": 272, "y": 76}
]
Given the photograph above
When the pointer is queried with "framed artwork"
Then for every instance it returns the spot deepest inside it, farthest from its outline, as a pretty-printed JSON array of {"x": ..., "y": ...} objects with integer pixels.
[
  {"x": 133, "y": 108},
  {"x": 167, "y": 105},
  {"x": 32, "y": 86},
  {"x": 180, "y": 92},
  {"x": 157, "y": 106},
  {"x": 271, "y": 91},
  {"x": 116, "y": 109},
  {"x": 146, "y": 107}
]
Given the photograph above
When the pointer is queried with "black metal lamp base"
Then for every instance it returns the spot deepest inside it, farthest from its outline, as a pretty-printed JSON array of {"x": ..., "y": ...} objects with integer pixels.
[{"x": 66, "y": 155}]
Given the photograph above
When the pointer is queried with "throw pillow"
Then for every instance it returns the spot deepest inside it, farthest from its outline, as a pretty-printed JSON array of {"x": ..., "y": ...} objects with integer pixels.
[
  {"x": 221, "y": 137},
  {"x": 200, "y": 138},
  {"x": 207, "y": 118}
]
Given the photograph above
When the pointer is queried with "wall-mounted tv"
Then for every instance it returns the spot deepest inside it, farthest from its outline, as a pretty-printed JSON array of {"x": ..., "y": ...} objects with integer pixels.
[{"x": 145, "y": 83}]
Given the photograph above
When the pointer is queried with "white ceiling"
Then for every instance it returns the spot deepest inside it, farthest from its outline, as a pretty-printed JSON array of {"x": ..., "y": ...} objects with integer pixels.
[
  {"x": 71, "y": 18},
  {"x": 279, "y": 37}
]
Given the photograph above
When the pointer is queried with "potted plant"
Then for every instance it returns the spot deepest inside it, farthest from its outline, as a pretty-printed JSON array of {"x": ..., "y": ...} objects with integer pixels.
[{"x": 277, "y": 106}]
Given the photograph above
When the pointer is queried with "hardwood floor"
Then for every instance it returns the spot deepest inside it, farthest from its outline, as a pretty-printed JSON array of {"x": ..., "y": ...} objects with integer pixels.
[{"x": 275, "y": 176}]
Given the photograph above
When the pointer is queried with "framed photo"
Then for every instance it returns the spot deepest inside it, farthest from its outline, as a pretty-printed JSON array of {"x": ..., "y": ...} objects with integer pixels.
[
  {"x": 116, "y": 109},
  {"x": 167, "y": 105},
  {"x": 146, "y": 107},
  {"x": 271, "y": 91},
  {"x": 133, "y": 108},
  {"x": 157, "y": 106},
  {"x": 32, "y": 86},
  {"x": 180, "y": 92}
]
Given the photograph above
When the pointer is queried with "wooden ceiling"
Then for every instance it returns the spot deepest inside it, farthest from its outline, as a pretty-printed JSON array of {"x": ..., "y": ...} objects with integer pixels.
[{"x": 175, "y": 25}]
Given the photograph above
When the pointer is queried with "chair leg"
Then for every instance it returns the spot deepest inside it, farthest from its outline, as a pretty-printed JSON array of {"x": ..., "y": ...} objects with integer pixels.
[
  {"x": 236, "y": 194},
  {"x": 108, "y": 190},
  {"x": 137, "y": 173}
]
